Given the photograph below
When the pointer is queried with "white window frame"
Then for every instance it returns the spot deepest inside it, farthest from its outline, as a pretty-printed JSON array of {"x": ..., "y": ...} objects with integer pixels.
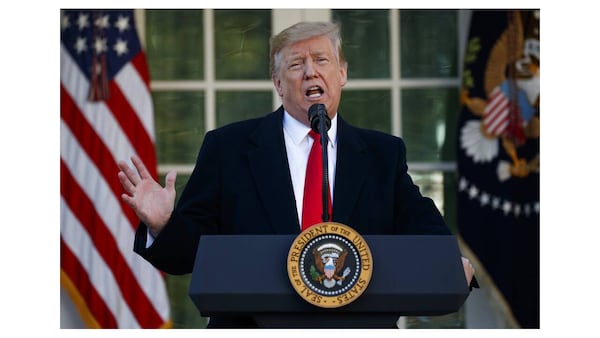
[{"x": 282, "y": 18}]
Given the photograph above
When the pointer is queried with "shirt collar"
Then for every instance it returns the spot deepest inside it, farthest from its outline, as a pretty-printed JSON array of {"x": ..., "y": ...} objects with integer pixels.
[{"x": 298, "y": 131}]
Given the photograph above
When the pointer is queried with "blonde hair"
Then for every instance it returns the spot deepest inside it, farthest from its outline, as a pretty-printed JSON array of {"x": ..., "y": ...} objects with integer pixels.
[{"x": 302, "y": 31}]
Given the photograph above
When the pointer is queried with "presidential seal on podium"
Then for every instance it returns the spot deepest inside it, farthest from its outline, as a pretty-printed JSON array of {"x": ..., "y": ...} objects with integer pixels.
[{"x": 329, "y": 265}]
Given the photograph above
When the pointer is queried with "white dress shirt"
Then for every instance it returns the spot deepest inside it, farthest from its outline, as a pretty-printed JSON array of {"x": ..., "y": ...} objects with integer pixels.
[{"x": 297, "y": 145}]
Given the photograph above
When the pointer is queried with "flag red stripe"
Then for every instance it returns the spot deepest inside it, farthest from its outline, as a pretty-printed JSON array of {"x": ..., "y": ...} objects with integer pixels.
[
  {"x": 100, "y": 313},
  {"x": 495, "y": 105},
  {"x": 498, "y": 125},
  {"x": 84, "y": 209},
  {"x": 497, "y": 120},
  {"x": 496, "y": 113},
  {"x": 499, "y": 129},
  {"x": 493, "y": 101},
  {"x": 131, "y": 126},
  {"x": 97, "y": 227},
  {"x": 140, "y": 64},
  {"x": 95, "y": 148}
]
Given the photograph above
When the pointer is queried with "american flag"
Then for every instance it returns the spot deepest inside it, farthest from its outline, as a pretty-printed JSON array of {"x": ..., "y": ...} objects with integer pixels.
[
  {"x": 496, "y": 113},
  {"x": 106, "y": 115},
  {"x": 502, "y": 116}
]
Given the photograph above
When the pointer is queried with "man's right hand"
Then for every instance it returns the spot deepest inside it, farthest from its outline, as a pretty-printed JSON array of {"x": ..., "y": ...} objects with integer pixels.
[{"x": 152, "y": 203}]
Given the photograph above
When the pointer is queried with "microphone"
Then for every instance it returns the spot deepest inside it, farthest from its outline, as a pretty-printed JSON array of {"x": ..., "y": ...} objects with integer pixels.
[
  {"x": 316, "y": 114},
  {"x": 320, "y": 123}
]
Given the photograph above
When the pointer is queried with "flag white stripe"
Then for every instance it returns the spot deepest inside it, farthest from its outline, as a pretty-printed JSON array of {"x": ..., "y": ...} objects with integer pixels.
[
  {"x": 97, "y": 114},
  {"x": 495, "y": 95},
  {"x": 493, "y": 107},
  {"x": 99, "y": 274},
  {"x": 496, "y": 112},
  {"x": 108, "y": 208},
  {"x": 84, "y": 172},
  {"x": 500, "y": 120},
  {"x": 146, "y": 291},
  {"x": 498, "y": 130},
  {"x": 492, "y": 113},
  {"x": 136, "y": 92}
]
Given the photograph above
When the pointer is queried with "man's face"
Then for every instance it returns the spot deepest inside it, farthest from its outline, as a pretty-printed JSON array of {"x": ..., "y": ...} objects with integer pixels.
[{"x": 309, "y": 73}]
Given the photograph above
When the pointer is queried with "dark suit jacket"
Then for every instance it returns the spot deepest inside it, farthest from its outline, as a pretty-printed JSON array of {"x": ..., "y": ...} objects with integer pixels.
[{"x": 241, "y": 184}]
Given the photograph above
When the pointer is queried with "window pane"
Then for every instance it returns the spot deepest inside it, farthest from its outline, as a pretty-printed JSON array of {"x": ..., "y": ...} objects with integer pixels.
[
  {"x": 431, "y": 184},
  {"x": 175, "y": 44},
  {"x": 367, "y": 109},
  {"x": 235, "y": 106},
  {"x": 242, "y": 44},
  {"x": 428, "y": 123},
  {"x": 429, "y": 43},
  {"x": 441, "y": 187},
  {"x": 366, "y": 42},
  {"x": 179, "y": 125}
]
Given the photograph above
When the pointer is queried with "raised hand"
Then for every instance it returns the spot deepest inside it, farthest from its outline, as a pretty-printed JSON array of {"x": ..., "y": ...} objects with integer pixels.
[{"x": 152, "y": 203}]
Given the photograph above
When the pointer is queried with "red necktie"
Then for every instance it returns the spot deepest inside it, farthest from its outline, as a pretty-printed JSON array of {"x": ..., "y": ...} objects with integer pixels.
[{"x": 312, "y": 208}]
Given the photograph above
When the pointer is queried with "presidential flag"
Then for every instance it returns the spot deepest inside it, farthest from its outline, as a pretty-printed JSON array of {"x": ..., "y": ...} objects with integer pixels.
[
  {"x": 106, "y": 115},
  {"x": 498, "y": 154}
]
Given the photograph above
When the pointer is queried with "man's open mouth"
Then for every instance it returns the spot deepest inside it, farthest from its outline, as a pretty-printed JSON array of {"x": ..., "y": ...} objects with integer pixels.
[{"x": 314, "y": 92}]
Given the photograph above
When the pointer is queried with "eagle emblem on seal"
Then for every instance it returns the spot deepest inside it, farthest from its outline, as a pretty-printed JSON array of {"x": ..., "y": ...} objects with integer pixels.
[{"x": 329, "y": 260}]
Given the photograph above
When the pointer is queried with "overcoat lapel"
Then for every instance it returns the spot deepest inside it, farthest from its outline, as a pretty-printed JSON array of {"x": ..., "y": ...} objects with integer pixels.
[
  {"x": 351, "y": 171},
  {"x": 270, "y": 170}
]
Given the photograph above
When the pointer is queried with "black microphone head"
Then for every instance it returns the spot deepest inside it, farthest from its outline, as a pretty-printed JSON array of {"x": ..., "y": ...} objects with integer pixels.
[
  {"x": 316, "y": 112},
  {"x": 313, "y": 111}
]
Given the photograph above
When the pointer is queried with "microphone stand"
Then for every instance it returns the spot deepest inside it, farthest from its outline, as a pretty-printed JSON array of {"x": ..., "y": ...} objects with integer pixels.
[
  {"x": 324, "y": 140},
  {"x": 321, "y": 125}
]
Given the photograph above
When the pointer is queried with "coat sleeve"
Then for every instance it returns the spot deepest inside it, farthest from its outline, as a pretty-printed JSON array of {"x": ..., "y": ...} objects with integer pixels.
[
  {"x": 415, "y": 213},
  {"x": 174, "y": 249}
]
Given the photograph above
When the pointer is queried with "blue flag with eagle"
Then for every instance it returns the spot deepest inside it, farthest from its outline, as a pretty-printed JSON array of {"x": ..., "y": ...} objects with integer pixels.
[{"x": 498, "y": 155}]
